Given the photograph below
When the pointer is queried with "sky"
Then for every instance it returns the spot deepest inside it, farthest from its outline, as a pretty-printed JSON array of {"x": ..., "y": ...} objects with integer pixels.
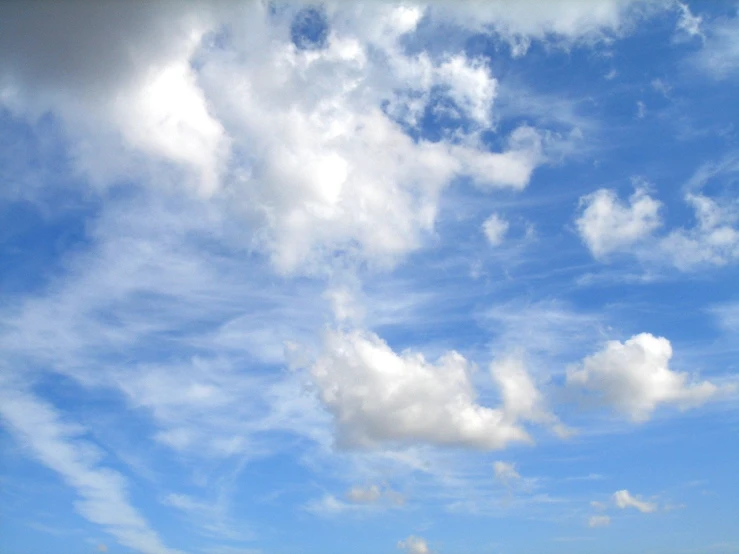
[{"x": 369, "y": 277}]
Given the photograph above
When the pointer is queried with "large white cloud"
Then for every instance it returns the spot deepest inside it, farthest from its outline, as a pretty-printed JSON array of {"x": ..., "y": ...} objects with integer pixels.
[
  {"x": 297, "y": 139},
  {"x": 634, "y": 377},
  {"x": 379, "y": 396}
]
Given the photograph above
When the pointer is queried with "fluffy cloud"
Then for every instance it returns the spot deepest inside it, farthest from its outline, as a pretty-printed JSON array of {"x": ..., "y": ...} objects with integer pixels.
[
  {"x": 379, "y": 396},
  {"x": 608, "y": 225},
  {"x": 713, "y": 241},
  {"x": 599, "y": 521},
  {"x": 495, "y": 229},
  {"x": 333, "y": 169},
  {"x": 623, "y": 499},
  {"x": 634, "y": 377},
  {"x": 414, "y": 545}
]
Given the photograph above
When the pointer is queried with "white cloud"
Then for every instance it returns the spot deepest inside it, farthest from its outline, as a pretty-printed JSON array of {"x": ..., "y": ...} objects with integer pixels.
[
  {"x": 333, "y": 171},
  {"x": 599, "y": 521},
  {"x": 560, "y": 21},
  {"x": 623, "y": 499},
  {"x": 103, "y": 499},
  {"x": 689, "y": 23},
  {"x": 719, "y": 56},
  {"x": 714, "y": 240},
  {"x": 379, "y": 396},
  {"x": 414, "y": 545},
  {"x": 608, "y": 225},
  {"x": 495, "y": 229},
  {"x": 634, "y": 377}
]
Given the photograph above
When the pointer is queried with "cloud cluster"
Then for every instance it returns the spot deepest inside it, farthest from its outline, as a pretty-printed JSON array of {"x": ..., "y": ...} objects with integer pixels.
[
  {"x": 377, "y": 396},
  {"x": 634, "y": 377},
  {"x": 607, "y": 225}
]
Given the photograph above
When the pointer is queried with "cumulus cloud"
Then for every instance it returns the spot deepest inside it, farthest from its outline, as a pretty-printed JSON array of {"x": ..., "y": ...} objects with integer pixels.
[
  {"x": 103, "y": 498},
  {"x": 377, "y": 395},
  {"x": 495, "y": 229},
  {"x": 608, "y": 224},
  {"x": 414, "y": 545},
  {"x": 623, "y": 499},
  {"x": 599, "y": 521},
  {"x": 634, "y": 377},
  {"x": 714, "y": 240}
]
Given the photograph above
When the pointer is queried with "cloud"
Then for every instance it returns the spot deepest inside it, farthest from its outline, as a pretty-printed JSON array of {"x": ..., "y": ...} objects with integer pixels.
[
  {"x": 505, "y": 472},
  {"x": 377, "y": 395},
  {"x": 623, "y": 499},
  {"x": 495, "y": 229},
  {"x": 607, "y": 225},
  {"x": 103, "y": 499},
  {"x": 713, "y": 241},
  {"x": 719, "y": 56},
  {"x": 599, "y": 521},
  {"x": 634, "y": 378},
  {"x": 337, "y": 172},
  {"x": 560, "y": 22},
  {"x": 364, "y": 495},
  {"x": 414, "y": 545},
  {"x": 687, "y": 22},
  {"x": 119, "y": 79}
]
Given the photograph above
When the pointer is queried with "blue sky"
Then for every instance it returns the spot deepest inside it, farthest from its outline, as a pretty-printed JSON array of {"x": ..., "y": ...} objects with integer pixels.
[{"x": 449, "y": 278}]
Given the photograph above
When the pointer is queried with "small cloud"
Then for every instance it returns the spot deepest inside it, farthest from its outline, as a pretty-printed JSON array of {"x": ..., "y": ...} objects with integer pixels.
[
  {"x": 505, "y": 472},
  {"x": 414, "y": 545},
  {"x": 102, "y": 548},
  {"x": 612, "y": 74},
  {"x": 495, "y": 229},
  {"x": 689, "y": 23},
  {"x": 373, "y": 494},
  {"x": 641, "y": 109},
  {"x": 660, "y": 86},
  {"x": 623, "y": 499},
  {"x": 599, "y": 521}
]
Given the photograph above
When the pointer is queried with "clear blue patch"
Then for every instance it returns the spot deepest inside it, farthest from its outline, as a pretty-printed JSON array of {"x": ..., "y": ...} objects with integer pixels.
[{"x": 309, "y": 29}]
